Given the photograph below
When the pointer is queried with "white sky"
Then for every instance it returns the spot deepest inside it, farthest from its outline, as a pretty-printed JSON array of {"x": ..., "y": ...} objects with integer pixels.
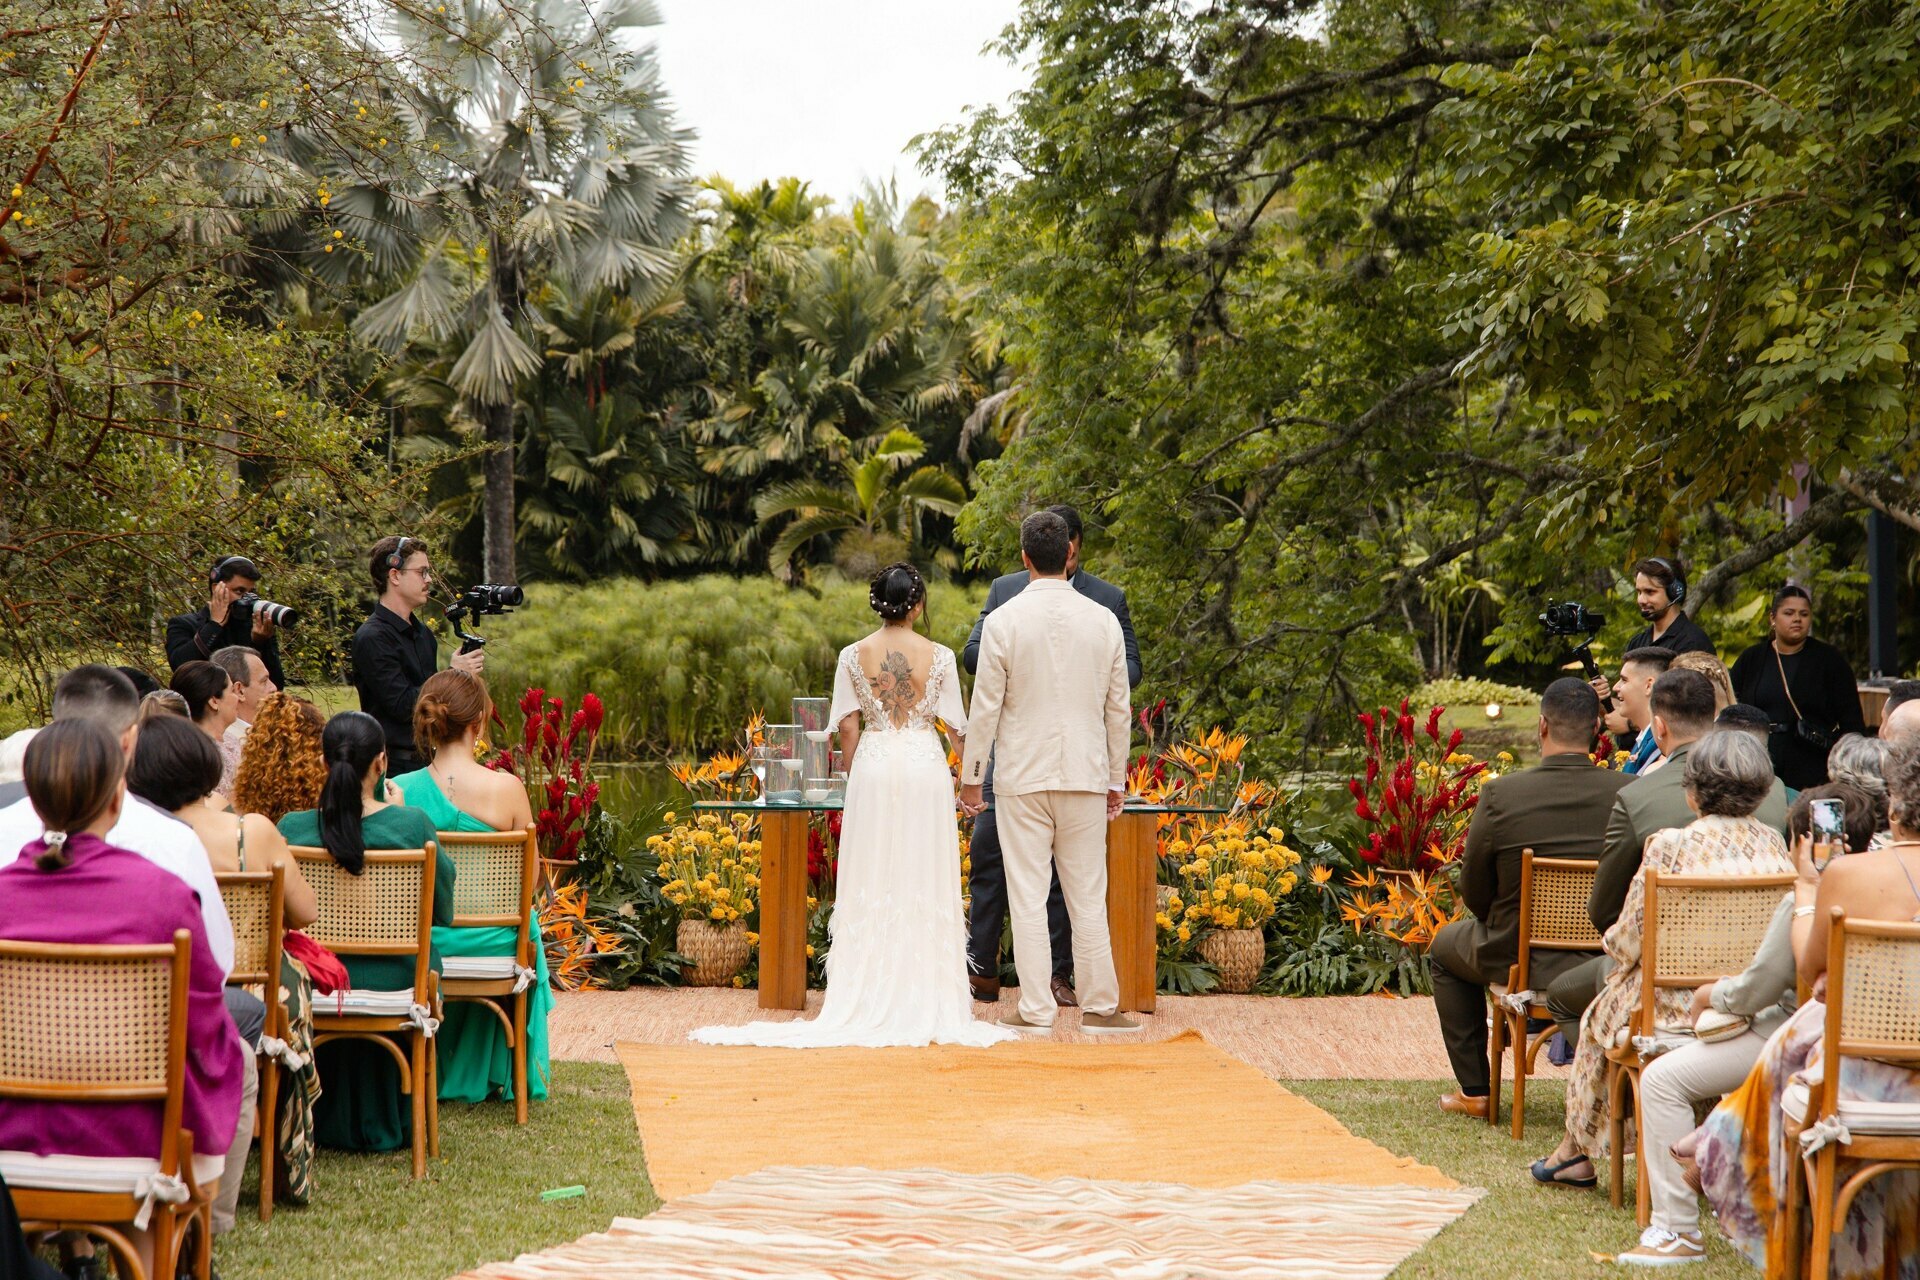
[{"x": 827, "y": 90}]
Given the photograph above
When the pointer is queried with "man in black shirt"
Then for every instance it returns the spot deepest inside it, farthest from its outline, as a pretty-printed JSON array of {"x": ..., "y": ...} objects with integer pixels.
[
  {"x": 393, "y": 653},
  {"x": 197, "y": 636},
  {"x": 1659, "y": 589}
]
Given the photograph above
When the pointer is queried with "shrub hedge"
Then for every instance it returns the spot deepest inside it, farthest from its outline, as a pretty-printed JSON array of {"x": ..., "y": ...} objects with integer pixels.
[{"x": 682, "y": 664}]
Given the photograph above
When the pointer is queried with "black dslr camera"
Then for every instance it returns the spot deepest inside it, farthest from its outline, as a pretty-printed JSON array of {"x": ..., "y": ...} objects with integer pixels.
[
  {"x": 280, "y": 615},
  {"x": 1571, "y": 618},
  {"x": 478, "y": 602}
]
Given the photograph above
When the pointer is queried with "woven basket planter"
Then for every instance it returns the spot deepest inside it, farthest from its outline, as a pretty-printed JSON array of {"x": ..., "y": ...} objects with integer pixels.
[
  {"x": 718, "y": 952},
  {"x": 1162, "y": 895},
  {"x": 1238, "y": 955}
]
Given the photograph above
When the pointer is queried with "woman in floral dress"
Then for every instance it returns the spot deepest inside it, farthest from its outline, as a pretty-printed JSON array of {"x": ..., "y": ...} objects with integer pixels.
[{"x": 1727, "y": 775}]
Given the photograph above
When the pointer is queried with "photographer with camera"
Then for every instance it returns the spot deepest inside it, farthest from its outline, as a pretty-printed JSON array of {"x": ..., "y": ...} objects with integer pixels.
[
  {"x": 1804, "y": 685},
  {"x": 394, "y": 653},
  {"x": 1659, "y": 589},
  {"x": 233, "y": 615}
]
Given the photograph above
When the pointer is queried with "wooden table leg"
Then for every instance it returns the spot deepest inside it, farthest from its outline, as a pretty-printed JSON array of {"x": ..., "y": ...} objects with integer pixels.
[
  {"x": 783, "y": 909},
  {"x": 1132, "y": 847}
]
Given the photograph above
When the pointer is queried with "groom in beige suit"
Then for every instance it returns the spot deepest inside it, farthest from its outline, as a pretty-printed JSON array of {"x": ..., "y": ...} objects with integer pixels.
[{"x": 1050, "y": 701}]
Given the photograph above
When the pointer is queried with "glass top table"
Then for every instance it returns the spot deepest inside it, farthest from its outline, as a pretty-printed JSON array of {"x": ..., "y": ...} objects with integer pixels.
[{"x": 834, "y": 806}]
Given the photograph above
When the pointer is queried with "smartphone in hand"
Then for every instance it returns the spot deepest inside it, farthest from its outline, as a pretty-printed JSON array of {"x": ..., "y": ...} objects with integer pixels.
[{"x": 1829, "y": 823}]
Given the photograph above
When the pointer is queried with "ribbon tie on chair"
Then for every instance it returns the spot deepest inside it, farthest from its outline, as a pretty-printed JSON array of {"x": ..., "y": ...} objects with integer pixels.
[
  {"x": 1654, "y": 1046},
  {"x": 1519, "y": 1001},
  {"x": 1823, "y": 1133},
  {"x": 162, "y": 1188},
  {"x": 522, "y": 978},
  {"x": 283, "y": 1053},
  {"x": 422, "y": 1017}
]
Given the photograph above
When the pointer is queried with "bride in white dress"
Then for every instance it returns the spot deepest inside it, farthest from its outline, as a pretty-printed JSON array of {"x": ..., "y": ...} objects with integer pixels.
[{"x": 897, "y": 966}]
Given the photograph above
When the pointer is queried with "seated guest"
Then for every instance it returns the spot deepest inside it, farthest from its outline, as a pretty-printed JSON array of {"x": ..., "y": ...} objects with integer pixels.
[
  {"x": 69, "y": 884},
  {"x": 451, "y": 714},
  {"x": 1558, "y": 809},
  {"x": 252, "y": 686},
  {"x": 1726, "y": 777},
  {"x": 1900, "y": 723},
  {"x": 172, "y": 766},
  {"x": 1748, "y": 1008},
  {"x": 1861, "y": 762},
  {"x": 164, "y": 702},
  {"x": 1681, "y": 707},
  {"x": 360, "y": 1102},
  {"x": 1743, "y": 1149},
  {"x": 106, "y": 698},
  {"x": 143, "y": 684},
  {"x": 1745, "y": 717},
  {"x": 1713, "y": 669},
  {"x": 281, "y": 766},
  {"x": 213, "y": 700},
  {"x": 1632, "y": 718},
  {"x": 1899, "y": 693}
]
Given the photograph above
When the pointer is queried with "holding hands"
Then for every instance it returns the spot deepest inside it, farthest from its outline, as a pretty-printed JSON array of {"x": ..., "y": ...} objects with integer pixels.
[{"x": 973, "y": 800}]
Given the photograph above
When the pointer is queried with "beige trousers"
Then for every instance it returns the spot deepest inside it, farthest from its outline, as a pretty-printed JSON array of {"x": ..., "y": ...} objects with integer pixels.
[
  {"x": 1067, "y": 830},
  {"x": 226, "y": 1201}
]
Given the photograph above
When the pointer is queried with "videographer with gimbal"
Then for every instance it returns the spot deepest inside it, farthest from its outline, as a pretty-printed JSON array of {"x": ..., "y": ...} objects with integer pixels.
[
  {"x": 394, "y": 653},
  {"x": 233, "y": 615}
]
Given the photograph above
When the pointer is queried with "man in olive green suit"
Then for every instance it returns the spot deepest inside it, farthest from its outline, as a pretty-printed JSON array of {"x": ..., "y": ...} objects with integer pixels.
[
  {"x": 1683, "y": 709},
  {"x": 1558, "y": 809}
]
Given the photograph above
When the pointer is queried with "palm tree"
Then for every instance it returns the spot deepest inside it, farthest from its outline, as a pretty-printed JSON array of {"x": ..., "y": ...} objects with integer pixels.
[
  {"x": 542, "y": 149},
  {"x": 876, "y": 514}
]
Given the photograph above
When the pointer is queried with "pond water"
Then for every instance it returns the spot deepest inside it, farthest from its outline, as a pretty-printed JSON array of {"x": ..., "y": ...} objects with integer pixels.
[{"x": 627, "y": 789}]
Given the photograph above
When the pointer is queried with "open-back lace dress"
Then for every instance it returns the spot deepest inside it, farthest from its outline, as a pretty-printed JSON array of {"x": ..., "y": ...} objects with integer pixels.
[{"x": 897, "y": 967}]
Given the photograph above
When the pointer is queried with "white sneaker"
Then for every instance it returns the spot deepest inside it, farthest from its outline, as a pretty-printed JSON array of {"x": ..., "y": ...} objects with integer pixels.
[{"x": 1660, "y": 1247}]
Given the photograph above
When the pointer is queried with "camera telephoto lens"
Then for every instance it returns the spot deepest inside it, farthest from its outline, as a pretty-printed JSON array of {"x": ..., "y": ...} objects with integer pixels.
[{"x": 280, "y": 615}]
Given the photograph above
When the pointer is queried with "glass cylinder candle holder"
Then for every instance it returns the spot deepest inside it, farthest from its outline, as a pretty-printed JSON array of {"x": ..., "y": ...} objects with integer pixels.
[
  {"x": 811, "y": 713},
  {"x": 783, "y": 781},
  {"x": 816, "y": 790}
]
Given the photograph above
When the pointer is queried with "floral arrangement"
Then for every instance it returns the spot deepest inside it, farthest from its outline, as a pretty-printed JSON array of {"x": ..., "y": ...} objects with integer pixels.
[
  {"x": 1408, "y": 910},
  {"x": 1231, "y": 879},
  {"x": 577, "y": 939},
  {"x": 710, "y": 866},
  {"x": 553, "y": 759},
  {"x": 1417, "y": 792}
]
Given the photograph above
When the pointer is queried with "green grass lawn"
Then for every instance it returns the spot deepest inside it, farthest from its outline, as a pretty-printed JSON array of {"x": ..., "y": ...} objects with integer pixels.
[{"x": 481, "y": 1201}]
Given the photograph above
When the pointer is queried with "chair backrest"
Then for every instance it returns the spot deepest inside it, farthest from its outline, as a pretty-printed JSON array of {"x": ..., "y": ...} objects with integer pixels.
[
  {"x": 1553, "y": 906},
  {"x": 256, "y": 902},
  {"x": 1700, "y": 929},
  {"x": 497, "y": 873},
  {"x": 386, "y": 910},
  {"x": 84, "y": 1024},
  {"x": 1873, "y": 990}
]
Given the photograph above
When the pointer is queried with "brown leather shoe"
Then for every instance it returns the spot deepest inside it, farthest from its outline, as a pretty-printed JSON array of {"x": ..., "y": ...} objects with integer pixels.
[
  {"x": 1063, "y": 994},
  {"x": 985, "y": 990},
  {"x": 1459, "y": 1104}
]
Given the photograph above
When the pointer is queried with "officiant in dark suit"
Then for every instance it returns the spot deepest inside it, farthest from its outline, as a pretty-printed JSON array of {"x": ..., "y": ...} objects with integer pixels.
[{"x": 988, "y": 880}]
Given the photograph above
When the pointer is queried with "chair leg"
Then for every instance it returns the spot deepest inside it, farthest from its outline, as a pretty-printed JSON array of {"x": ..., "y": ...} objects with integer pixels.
[
  {"x": 1521, "y": 1054},
  {"x": 1825, "y": 1165},
  {"x": 433, "y": 1098},
  {"x": 1642, "y": 1190},
  {"x": 421, "y": 1087},
  {"x": 269, "y": 1132},
  {"x": 1616, "y": 1133},
  {"x": 1792, "y": 1244},
  {"x": 520, "y": 1003}
]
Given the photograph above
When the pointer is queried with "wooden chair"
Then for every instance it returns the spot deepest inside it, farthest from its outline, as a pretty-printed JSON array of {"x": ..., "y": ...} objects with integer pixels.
[
  {"x": 498, "y": 871},
  {"x": 1873, "y": 1010},
  {"x": 106, "y": 1024},
  {"x": 256, "y": 902},
  {"x": 1553, "y": 917},
  {"x": 387, "y": 910},
  {"x": 1698, "y": 930}
]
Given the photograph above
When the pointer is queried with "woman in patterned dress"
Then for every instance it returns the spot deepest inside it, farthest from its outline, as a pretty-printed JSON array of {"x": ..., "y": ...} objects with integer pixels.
[{"x": 1727, "y": 775}]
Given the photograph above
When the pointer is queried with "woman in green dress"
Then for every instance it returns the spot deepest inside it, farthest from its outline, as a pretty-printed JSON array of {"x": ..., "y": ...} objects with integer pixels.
[
  {"x": 460, "y": 794},
  {"x": 361, "y": 1107}
]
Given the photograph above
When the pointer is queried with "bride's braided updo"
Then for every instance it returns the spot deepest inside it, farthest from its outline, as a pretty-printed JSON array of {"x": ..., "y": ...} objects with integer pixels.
[{"x": 895, "y": 590}]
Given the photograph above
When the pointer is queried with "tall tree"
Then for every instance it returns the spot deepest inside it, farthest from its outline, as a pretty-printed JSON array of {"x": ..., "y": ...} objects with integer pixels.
[{"x": 542, "y": 148}]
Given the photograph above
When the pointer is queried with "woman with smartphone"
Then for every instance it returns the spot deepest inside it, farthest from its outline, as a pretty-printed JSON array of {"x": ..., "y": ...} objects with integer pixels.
[
  {"x": 1742, "y": 1145},
  {"x": 1804, "y": 685}
]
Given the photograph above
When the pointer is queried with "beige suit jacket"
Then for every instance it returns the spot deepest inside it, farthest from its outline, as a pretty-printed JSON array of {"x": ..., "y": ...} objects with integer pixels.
[{"x": 1050, "y": 696}]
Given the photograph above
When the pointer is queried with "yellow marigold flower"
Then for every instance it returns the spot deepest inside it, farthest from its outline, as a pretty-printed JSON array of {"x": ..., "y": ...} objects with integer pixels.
[
  {"x": 1173, "y": 903},
  {"x": 1162, "y": 921},
  {"x": 1184, "y": 934},
  {"x": 753, "y": 939},
  {"x": 717, "y": 914},
  {"x": 668, "y": 816},
  {"x": 1219, "y": 895},
  {"x": 809, "y": 953}
]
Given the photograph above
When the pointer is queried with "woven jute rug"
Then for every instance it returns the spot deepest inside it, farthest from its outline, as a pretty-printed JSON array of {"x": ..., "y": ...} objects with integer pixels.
[
  {"x": 1178, "y": 1110},
  {"x": 856, "y": 1224}
]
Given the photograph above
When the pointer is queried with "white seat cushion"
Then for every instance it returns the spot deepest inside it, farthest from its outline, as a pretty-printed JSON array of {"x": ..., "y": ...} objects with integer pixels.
[
  {"x": 1883, "y": 1119},
  {"x": 481, "y": 968},
  {"x": 365, "y": 1002},
  {"x": 109, "y": 1175}
]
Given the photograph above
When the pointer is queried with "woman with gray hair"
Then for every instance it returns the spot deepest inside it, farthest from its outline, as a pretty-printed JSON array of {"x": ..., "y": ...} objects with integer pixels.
[
  {"x": 1727, "y": 775},
  {"x": 1860, "y": 761}
]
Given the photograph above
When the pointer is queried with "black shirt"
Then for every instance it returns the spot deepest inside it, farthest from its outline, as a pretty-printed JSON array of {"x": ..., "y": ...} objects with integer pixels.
[
  {"x": 1823, "y": 687},
  {"x": 1684, "y": 636},
  {"x": 196, "y": 637},
  {"x": 392, "y": 658}
]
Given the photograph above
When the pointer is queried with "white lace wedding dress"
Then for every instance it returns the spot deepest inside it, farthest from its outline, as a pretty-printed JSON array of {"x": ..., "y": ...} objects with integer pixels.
[{"x": 897, "y": 966}]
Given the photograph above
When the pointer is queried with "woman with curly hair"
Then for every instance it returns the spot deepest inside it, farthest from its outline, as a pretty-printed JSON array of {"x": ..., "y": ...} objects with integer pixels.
[{"x": 281, "y": 768}]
